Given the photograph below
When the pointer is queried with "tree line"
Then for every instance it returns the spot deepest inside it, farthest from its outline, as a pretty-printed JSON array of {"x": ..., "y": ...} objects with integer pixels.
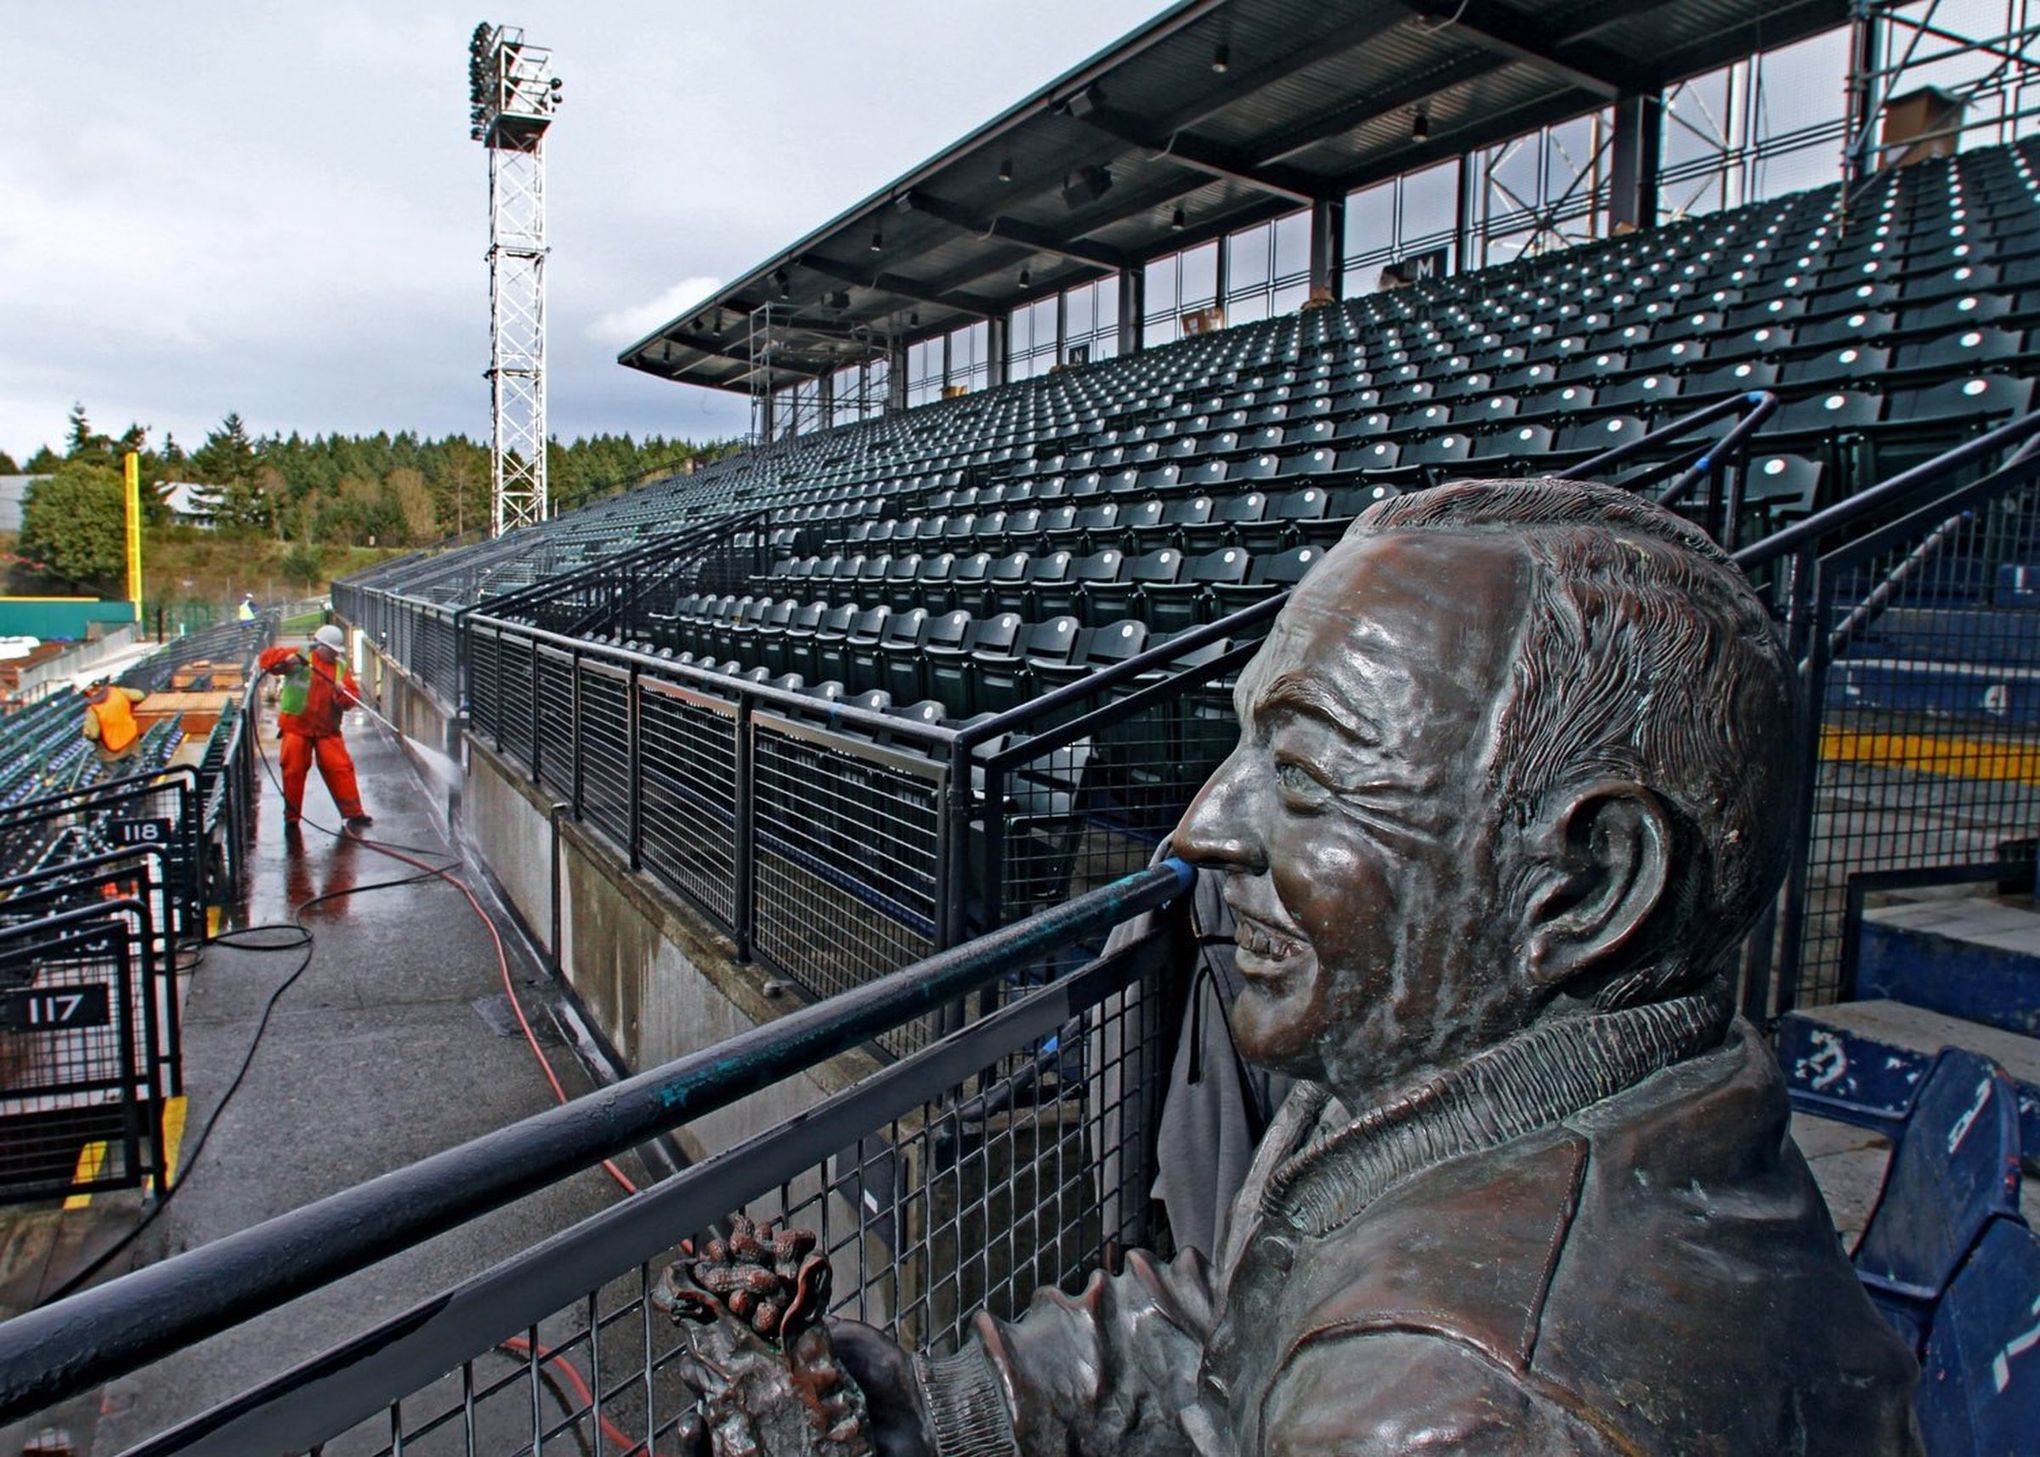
[{"x": 310, "y": 492}]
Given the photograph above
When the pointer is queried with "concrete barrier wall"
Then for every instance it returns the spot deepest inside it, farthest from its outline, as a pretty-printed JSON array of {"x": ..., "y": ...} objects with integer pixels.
[{"x": 654, "y": 978}]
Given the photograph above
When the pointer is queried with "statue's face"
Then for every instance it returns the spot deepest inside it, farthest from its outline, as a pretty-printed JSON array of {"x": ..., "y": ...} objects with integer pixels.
[{"x": 1355, "y": 821}]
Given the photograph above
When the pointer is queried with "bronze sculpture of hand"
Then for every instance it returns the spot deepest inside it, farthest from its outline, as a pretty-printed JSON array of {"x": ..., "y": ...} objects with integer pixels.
[{"x": 752, "y": 1306}]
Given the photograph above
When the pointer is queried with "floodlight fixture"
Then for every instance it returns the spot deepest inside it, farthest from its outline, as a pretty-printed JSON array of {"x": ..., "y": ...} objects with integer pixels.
[
  {"x": 1221, "y": 59},
  {"x": 877, "y": 240},
  {"x": 1176, "y": 220},
  {"x": 1420, "y": 126},
  {"x": 1006, "y": 170}
]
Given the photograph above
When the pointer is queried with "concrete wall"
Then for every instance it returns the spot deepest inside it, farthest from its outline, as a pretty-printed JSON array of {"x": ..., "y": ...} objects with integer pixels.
[{"x": 655, "y": 979}]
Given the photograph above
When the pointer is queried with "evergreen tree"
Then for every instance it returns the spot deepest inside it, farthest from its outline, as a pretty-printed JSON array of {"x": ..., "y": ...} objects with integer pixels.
[
  {"x": 7, "y": 465},
  {"x": 227, "y": 469},
  {"x": 76, "y": 521}
]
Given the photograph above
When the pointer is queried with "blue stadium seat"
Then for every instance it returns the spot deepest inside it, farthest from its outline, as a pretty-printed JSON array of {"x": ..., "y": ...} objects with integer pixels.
[
  {"x": 1954, "y": 1168},
  {"x": 1980, "y": 1380}
]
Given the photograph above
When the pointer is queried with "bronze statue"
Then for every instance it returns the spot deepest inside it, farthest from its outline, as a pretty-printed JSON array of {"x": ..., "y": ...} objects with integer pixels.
[{"x": 1513, "y": 783}]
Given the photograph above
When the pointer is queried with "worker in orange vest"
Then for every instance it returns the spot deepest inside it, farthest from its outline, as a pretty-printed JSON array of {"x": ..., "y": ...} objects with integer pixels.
[
  {"x": 110, "y": 719},
  {"x": 317, "y": 689}
]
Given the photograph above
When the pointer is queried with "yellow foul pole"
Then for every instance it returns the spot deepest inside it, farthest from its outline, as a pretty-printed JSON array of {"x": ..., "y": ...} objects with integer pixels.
[{"x": 131, "y": 469}]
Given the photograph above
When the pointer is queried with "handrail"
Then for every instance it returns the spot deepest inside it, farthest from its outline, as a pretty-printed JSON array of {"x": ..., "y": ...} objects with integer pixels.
[
  {"x": 644, "y": 551},
  {"x": 1151, "y": 660},
  {"x": 723, "y": 684},
  {"x": 59, "y": 1350},
  {"x": 1864, "y": 503}
]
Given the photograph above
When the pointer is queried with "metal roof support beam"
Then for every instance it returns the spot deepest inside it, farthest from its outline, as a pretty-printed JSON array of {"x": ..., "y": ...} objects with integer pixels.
[
  {"x": 1407, "y": 92},
  {"x": 1132, "y": 308},
  {"x": 1093, "y": 111},
  {"x": 719, "y": 351},
  {"x": 1039, "y": 239},
  {"x": 1633, "y": 165},
  {"x": 1327, "y": 246},
  {"x": 1506, "y": 35},
  {"x": 898, "y": 287}
]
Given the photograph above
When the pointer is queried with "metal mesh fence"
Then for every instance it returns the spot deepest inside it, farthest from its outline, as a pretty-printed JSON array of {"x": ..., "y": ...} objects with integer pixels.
[
  {"x": 1089, "y": 791},
  {"x": 552, "y": 708},
  {"x": 849, "y": 856},
  {"x": 515, "y": 715},
  {"x": 688, "y": 793},
  {"x": 485, "y": 685},
  {"x": 78, "y": 1038},
  {"x": 1011, "y": 1158},
  {"x": 1927, "y": 741},
  {"x": 604, "y": 747}
]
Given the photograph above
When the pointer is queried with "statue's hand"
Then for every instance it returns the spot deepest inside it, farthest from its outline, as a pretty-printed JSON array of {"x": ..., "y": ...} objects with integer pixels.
[{"x": 756, "y": 1349}]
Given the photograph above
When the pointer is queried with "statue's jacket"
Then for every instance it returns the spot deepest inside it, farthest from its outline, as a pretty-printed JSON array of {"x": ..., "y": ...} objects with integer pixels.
[{"x": 1595, "y": 1238}]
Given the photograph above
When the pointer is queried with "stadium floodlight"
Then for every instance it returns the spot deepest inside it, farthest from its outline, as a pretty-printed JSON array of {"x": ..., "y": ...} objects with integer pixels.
[{"x": 512, "y": 98}]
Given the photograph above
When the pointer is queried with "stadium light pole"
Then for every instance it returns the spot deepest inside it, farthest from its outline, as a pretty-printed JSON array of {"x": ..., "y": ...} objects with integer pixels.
[{"x": 512, "y": 96}]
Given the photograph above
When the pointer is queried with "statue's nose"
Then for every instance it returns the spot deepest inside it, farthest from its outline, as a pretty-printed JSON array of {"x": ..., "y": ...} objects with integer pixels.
[{"x": 1218, "y": 830}]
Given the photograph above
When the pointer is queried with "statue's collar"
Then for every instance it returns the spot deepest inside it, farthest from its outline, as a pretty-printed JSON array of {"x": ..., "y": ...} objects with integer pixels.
[{"x": 1532, "y": 1081}]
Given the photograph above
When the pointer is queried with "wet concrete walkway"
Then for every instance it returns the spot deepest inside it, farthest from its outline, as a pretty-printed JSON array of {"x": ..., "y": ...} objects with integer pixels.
[{"x": 390, "y": 1047}]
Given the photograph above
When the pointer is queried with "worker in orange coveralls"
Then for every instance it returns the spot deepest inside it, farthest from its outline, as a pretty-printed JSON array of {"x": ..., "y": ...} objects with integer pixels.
[
  {"x": 316, "y": 691},
  {"x": 110, "y": 719}
]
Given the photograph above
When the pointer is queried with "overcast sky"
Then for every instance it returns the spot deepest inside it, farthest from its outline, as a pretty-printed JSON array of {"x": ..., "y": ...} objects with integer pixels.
[{"x": 275, "y": 208}]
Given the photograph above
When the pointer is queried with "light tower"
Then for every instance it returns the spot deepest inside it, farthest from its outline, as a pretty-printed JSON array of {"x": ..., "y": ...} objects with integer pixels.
[{"x": 512, "y": 98}]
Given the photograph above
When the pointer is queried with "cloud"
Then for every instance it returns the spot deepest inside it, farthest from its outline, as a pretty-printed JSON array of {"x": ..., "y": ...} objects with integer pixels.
[{"x": 631, "y": 323}]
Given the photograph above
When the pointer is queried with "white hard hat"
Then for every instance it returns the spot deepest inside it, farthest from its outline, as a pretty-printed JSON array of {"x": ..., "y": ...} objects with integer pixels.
[{"x": 330, "y": 636}]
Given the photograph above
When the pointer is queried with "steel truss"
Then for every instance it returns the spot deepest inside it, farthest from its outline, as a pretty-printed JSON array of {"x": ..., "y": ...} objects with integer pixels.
[
  {"x": 514, "y": 98},
  {"x": 1980, "y": 52}
]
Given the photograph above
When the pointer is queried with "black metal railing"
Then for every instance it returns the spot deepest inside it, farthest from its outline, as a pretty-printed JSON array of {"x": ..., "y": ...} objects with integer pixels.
[
  {"x": 1914, "y": 612},
  {"x": 87, "y": 1050},
  {"x": 1012, "y": 1154}
]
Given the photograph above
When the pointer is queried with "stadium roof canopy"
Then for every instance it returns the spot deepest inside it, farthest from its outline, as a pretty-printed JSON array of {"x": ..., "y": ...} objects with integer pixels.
[{"x": 1234, "y": 112}]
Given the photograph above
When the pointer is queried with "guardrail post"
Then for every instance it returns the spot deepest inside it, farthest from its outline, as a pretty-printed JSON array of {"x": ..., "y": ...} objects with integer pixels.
[
  {"x": 634, "y": 775},
  {"x": 744, "y": 839},
  {"x": 574, "y": 725}
]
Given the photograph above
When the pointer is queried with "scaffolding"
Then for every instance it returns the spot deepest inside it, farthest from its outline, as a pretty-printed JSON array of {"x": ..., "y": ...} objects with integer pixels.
[
  {"x": 512, "y": 98},
  {"x": 1972, "y": 57},
  {"x": 808, "y": 374}
]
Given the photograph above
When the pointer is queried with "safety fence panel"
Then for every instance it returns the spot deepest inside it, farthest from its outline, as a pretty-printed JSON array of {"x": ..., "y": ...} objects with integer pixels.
[
  {"x": 1085, "y": 787},
  {"x": 849, "y": 853},
  {"x": 516, "y": 721},
  {"x": 78, "y": 1031},
  {"x": 1925, "y": 691},
  {"x": 604, "y": 744},
  {"x": 1011, "y": 1157},
  {"x": 552, "y": 706},
  {"x": 484, "y": 685},
  {"x": 687, "y": 793},
  {"x": 150, "y": 810}
]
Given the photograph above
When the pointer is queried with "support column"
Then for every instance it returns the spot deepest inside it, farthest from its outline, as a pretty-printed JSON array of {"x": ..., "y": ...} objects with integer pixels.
[
  {"x": 1866, "y": 61},
  {"x": 825, "y": 401},
  {"x": 1327, "y": 242},
  {"x": 1633, "y": 170},
  {"x": 768, "y": 410},
  {"x": 895, "y": 377},
  {"x": 995, "y": 350},
  {"x": 1132, "y": 307}
]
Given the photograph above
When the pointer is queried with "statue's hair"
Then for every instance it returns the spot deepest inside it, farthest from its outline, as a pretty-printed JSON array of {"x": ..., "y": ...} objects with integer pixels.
[{"x": 1644, "y": 655}]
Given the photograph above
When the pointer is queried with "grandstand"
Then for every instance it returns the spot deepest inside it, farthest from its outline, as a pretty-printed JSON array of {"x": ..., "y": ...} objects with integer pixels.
[{"x": 925, "y": 678}]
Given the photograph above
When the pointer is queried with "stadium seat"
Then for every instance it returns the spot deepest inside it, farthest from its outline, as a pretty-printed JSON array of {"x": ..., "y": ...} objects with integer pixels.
[
  {"x": 1979, "y": 1387},
  {"x": 1954, "y": 1168}
]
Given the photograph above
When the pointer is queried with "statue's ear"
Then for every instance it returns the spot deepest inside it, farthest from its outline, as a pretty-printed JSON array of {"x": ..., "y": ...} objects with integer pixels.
[{"x": 1604, "y": 857}]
